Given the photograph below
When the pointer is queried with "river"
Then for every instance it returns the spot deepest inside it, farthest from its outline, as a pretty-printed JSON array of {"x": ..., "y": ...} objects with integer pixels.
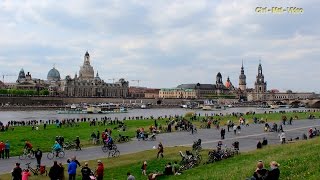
[{"x": 6, "y": 116}]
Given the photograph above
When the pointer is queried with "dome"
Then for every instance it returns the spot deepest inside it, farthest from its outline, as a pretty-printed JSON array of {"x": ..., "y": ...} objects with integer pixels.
[
  {"x": 242, "y": 76},
  {"x": 53, "y": 75}
]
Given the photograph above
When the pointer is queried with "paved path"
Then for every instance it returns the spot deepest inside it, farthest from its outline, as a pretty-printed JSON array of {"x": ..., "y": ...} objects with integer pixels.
[{"x": 248, "y": 139}]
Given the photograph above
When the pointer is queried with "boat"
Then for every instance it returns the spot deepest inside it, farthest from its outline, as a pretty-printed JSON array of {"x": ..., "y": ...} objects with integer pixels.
[
  {"x": 207, "y": 108},
  {"x": 94, "y": 109},
  {"x": 274, "y": 106},
  {"x": 285, "y": 106}
]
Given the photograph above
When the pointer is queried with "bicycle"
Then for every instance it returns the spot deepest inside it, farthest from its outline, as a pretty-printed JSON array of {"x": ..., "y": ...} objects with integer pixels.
[
  {"x": 38, "y": 171},
  {"x": 53, "y": 154},
  {"x": 105, "y": 148},
  {"x": 114, "y": 153},
  {"x": 27, "y": 154}
]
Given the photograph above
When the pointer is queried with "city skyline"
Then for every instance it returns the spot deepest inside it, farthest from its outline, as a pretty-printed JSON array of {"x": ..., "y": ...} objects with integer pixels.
[{"x": 163, "y": 43}]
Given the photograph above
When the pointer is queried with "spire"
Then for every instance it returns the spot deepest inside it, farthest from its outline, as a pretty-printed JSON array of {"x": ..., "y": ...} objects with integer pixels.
[
  {"x": 260, "y": 68},
  {"x": 97, "y": 74}
]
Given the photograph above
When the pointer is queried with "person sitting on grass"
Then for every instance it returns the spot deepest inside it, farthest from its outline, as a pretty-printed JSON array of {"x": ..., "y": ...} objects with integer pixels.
[
  {"x": 274, "y": 172},
  {"x": 175, "y": 168},
  {"x": 261, "y": 173},
  {"x": 144, "y": 168},
  {"x": 265, "y": 141},
  {"x": 259, "y": 145},
  {"x": 168, "y": 169}
]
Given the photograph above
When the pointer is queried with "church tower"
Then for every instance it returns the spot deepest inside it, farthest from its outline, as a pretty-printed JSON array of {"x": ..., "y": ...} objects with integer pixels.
[
  {"x": 242, "y": 80},
  {"x": 260, "y": 86},
  {"x": 86, "y": 71}
]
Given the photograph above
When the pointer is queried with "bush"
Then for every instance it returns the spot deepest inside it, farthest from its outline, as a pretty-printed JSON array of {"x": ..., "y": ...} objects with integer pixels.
[{"x": 189, "y": 114}]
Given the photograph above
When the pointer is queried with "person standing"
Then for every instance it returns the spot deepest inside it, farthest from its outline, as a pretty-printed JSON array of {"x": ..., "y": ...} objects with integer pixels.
[
  {"x": 100, "y": 170},
  {"x": 235, "y": 129},
  {"x": 38, "y": 155},
  {"x": 17, "y": 172},
  {"x": 144, "y": 168},
  {"x": 160, "y": 148},
  {"x": 86, "y": 172},
  {"x": 222, "y": 132},
  {"x": 72, "y": 169},
  {"x": 7, "y": 150},
  {"x": 2, "y": 147},
  {"x": 283, "y": 138},
  {"x": 54, "y": 172}
]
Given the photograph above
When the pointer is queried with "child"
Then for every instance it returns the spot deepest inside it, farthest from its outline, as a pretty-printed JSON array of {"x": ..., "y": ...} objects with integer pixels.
[
  {"x": 144, "y": 168},
  {"x": 26, "y": 174}
]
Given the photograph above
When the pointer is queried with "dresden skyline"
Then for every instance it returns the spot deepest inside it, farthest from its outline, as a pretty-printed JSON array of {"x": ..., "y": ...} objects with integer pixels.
[{"x": 163, "y": 43}]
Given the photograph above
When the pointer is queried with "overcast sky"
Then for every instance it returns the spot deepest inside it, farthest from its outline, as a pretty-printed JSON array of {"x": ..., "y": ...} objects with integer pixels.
[{"x": 163, "y": 43}]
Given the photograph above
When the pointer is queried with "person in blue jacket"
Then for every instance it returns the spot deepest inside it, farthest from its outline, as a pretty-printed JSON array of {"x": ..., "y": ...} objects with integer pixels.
[{"x": 72, "y": 169}]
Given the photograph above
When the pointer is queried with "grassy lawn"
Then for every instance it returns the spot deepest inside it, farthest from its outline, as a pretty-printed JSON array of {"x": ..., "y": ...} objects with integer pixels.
[
  {"x": 297, "y": 161},
  {"x": 45, "y": 138}
]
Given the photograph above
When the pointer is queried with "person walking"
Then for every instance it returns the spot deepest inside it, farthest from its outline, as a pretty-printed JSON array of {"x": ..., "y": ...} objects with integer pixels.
[
  {"x": 144, "y": 168},
  {"x": 235, "y": 129},
  {"x": 100, "y": 170},
  {"x": 160, "y": 148},
  {"x": 38, "y": 155},
  {"x": 17, "y": 172},
  {"x": 77, "y": 141},
  {"x": 7, "y": 150}
]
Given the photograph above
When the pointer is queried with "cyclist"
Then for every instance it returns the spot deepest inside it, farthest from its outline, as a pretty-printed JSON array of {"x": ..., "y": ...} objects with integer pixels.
[
  {"x": 109, "y": 142},
  {"x": 57, "y": 148},
  {"x": 28, "y": 147}
]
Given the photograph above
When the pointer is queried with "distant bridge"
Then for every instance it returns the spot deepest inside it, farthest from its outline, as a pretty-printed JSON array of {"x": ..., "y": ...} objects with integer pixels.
[{"x": 312, "y": 103}]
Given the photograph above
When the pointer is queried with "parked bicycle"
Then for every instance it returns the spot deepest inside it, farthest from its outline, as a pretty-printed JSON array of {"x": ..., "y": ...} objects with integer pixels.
[
  {"x": 38, "y": 171},
  {"x": 105, "y": 148},
  {"x": 53, "y": 154},
  {"x": 27, "y": 154},
  {"x": 122, "y": 138}
]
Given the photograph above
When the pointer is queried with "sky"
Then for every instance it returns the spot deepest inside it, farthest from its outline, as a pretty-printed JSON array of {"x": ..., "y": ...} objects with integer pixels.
[{"x": 163, "y": 43}]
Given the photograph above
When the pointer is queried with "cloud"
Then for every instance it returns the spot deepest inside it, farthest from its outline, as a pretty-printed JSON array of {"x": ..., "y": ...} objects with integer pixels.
[{"x": 163, "y": 43}]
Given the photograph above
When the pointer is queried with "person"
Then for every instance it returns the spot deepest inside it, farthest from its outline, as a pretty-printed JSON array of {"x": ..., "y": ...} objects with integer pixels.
[
  {"x": 259, "y": 145},
  {"x": 283, "y": 138},
  {"x": 264, "y": 141},
  {"x": 109, "y": 142},
  {"x": 168, "y": 169},
  {"x": 77, "y": 141},
  {"x": 72, "y": 169},
  {"x": 38, "y": 155},
  {"x": 61, "y": 171},
  {"x": 2, "y": 147},
  {"x": 223, "y": 132},
  {"x": 26, "y": 174},
  {"x": 130, "y": 177},
  {"x": 86, "y": 172},
  {"x": 7, "y": 150},
  {"x": 57, "y": 148},
  {"x": 94, "y": 138},
  {"x": 55, "y": 171},
  {"x": 219, "y": 146},
  {"x": 235, "y": 129},
  {"x": 260, "y": 173},
  {"x": 28, "y": 146},
  {"x": 144, "y": 168},
  {"x": 175, "y": 168},
  {"x": 274, "y": 172},
  {"x": 160, "y": 147},
  {"x": 100, "y": 170},
  {"x": 17, "y": 172}
]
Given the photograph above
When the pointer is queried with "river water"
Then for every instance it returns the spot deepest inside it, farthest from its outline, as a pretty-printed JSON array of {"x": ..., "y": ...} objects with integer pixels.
[{"x": 6, "y": 116}]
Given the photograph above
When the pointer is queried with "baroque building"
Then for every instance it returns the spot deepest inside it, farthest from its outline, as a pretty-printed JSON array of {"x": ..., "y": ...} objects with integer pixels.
[{"x": 88, "y": 85}]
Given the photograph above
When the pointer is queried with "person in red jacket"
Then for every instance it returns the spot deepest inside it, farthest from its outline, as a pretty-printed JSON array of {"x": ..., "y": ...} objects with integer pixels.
[
  {"x": 99, "y": 171},
  {"x": 2, "y": 147}
]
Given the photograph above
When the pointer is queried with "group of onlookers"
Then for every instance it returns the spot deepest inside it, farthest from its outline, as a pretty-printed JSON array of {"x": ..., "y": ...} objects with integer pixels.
[
  {"x": 261, "y": 173},
  {"x": 4, "y": 150}
]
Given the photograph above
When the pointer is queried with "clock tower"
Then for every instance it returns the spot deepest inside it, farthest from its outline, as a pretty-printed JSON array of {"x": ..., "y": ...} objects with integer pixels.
[{"x": 260, "y": 86}]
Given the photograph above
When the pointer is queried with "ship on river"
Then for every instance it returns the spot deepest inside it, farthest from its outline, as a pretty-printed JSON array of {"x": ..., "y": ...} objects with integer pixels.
[{"x": 94, "y": 109}]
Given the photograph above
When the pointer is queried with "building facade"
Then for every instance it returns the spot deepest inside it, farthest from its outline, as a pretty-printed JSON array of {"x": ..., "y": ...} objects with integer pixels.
[
  {"x": 86, "y": 85},
  {"x": 177, "y": 93},
  {"x": 242, "y": 80}
]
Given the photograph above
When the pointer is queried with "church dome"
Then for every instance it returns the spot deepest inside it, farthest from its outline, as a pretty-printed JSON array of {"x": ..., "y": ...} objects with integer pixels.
[
  {"x": 53, "y": 75},
  {"x": 242, "y": 76},
  {"x": 219, "y": 74}
]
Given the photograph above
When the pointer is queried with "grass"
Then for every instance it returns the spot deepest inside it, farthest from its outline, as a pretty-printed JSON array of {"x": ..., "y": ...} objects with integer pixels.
[
  {"x": 44, "y": 139},
  {"x": 297, "y": 161}
]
